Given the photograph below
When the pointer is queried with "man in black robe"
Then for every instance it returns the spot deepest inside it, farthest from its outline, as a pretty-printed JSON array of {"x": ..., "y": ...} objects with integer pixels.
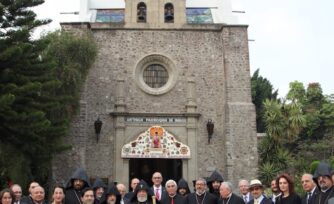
[
  {"x": 172, "y": 196},
  {"x": 78, "y": 181},
  {"x": 200, "y": 196},
  {"x": 183, "y": 188},
  {"x": 142, "y": 194},
  {"x": 226, "y": 195},
  {"x": 323, "y": 180},
  {"x": 214, "y": 182}
]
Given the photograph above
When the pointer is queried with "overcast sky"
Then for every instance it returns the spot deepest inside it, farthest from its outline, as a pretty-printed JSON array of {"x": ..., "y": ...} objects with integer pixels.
[{"x": 294, "y": 39}]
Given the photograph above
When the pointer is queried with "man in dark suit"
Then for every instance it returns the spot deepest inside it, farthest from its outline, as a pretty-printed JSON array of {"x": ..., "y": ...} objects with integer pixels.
[
  {"x": 244, "y": 190},
  {"x": 226, "y": 195},
  {"x": 134, "y": 183},
  {"x": 172, "y": 196},
  {"x": 27, "y": 199},
  {"x": 256, "y": 189},
  {"x": 201, "y": 196},
  {"x": 274, "y": 190},
  {"x": 310, "y": 189},
  {"x": 37, "y": 196},
  {"x": 158, "y": 190}
]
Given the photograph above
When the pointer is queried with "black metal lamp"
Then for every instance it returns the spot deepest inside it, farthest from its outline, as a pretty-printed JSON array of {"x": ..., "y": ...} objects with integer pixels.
[
  {"x": 209, "y": 128},
  {"x": 98, "y": 125}
]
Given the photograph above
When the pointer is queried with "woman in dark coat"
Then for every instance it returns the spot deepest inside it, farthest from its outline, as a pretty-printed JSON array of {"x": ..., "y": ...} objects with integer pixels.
[{"x": 286, "y": 186}]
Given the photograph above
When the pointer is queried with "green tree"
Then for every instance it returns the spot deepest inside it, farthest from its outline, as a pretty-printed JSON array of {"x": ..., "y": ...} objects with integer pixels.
[
  {"x": 299, "y": 131},
  {"x": 262, "y": 89},
  {"x": 37, "y": 100},
  {"x": 296, "y": 92},
  {"x": 24, "y": 83}
]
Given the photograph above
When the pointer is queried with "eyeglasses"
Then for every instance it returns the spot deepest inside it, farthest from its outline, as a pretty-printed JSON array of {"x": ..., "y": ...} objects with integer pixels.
[{"x": 255, "y": 189}]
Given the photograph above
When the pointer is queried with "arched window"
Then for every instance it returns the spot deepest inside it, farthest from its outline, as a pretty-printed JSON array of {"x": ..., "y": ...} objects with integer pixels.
[
  {"x": 169, "y": 13},
  {"x": 141, "y": 12}
]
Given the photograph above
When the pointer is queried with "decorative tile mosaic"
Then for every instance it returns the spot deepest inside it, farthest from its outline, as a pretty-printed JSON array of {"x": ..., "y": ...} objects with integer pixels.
[{"x": 156, "y": 142}]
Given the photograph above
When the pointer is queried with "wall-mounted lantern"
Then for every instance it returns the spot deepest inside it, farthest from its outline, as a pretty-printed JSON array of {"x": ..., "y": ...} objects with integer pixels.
[
  {"x": 209, "y": 128},
  {"x": 98, "y": 125}
]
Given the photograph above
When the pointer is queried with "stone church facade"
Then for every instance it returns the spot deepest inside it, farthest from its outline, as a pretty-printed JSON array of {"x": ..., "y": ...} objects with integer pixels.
[{"x": 155, "y": 85}]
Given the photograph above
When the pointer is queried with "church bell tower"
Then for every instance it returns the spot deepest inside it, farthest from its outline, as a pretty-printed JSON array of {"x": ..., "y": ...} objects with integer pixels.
[{"x": 155, "y": 13}]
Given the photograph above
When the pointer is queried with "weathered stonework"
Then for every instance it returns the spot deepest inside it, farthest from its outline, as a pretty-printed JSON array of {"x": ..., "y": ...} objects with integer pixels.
[{"x": 213, "y": 82}]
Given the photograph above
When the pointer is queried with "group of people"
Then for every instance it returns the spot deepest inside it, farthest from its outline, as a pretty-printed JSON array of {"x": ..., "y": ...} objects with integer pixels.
[{"x": 213, "y": 190}]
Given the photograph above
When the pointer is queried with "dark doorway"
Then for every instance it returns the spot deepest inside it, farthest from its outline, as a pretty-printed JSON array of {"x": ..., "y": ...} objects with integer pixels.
[{"x": 144, "y": 168}]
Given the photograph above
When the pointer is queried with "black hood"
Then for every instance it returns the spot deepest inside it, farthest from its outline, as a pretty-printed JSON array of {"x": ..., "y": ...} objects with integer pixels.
[
  {"x": 215, "y": 176},
  {"x": 142, "y": 185},
  {"x": 323, "y": 169},
  {"x": 183, "y": 184},
  {"x": 98, "y": 183},
  {"x": 112, "y": 190},
  {"x": 80, "y": 173}
]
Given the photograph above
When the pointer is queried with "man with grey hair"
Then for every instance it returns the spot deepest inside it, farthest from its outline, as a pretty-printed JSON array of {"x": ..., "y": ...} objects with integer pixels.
[
  {"x": 27, "y": 199},
  {"x": 201, "y": 196},
  {"x": 122, "y": 190},
  {"x": 310, "y": 189},
  {"x": 37, "y": 196},
  {"x": 226, "y": 195},
  {"x": 244, "y": 190},
  {"x": 172, "y": 196}
]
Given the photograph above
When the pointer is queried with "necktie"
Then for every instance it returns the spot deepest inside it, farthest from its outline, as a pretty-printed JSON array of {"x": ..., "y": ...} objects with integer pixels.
[
  {"x": 256, "y": 201},
  {"x": 245, "y": 199},
  {"x": 172, "y": 202},
  {"x": 309, "y": 195},
  {"x": 157, "y": 194}
]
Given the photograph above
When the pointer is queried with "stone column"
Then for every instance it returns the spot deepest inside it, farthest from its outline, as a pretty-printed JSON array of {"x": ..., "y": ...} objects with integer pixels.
[
  {"x": 191, "y": 129},
  {"x": 120, "y": 166}
]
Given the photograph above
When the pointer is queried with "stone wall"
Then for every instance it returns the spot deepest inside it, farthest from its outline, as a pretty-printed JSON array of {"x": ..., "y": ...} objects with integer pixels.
[{"x": 218, "y": 61}]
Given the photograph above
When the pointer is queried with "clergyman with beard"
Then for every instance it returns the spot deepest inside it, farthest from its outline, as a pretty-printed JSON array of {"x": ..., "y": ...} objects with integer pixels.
[
  {"x": 201, "y": 196},
  {"x": 77, "y": 182},
  {"x": 323, "y": 180},
  {"x": 142, "y": 194},
  {"x": 214, "y": 182}
]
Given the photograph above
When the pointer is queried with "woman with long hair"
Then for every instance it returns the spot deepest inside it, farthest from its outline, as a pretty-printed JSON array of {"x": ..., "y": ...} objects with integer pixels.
[
  {"x": 286, "y": 186},
  {"x": 6, "y": 196}
]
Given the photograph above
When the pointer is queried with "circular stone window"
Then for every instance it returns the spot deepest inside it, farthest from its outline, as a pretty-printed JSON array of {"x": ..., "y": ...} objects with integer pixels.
[{"x": 155, "y": 74}]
